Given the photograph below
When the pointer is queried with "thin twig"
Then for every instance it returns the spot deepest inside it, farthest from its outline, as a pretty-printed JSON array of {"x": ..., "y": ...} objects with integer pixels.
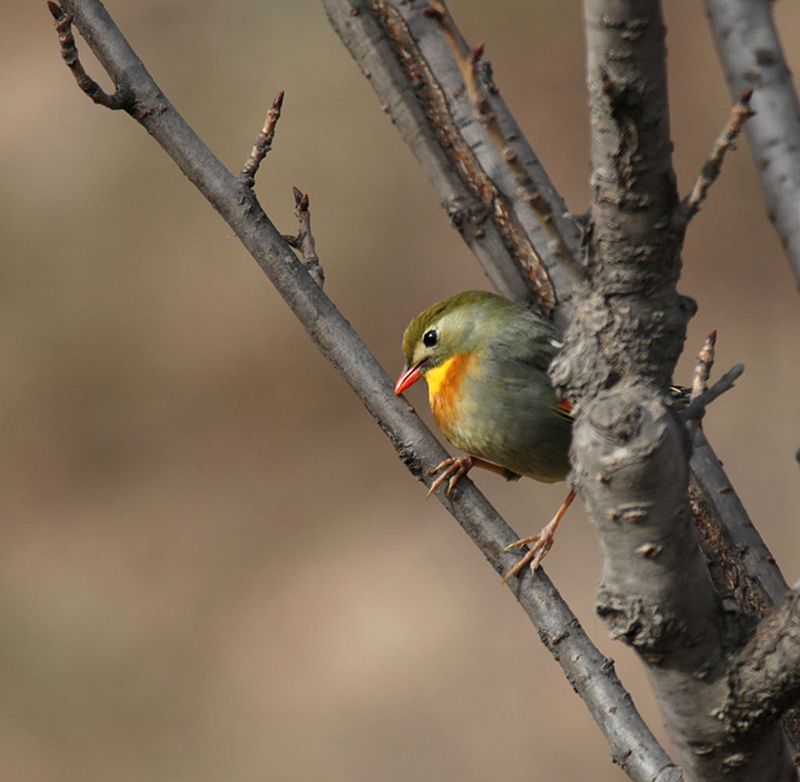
[
  {"x": 121, "y": 99},
  {"x": 697, "y": 407},
  {"x": 304, "y": 241},
  {"x": 702, "y": 372},
  {"x": 633, "y": 745},
  {"x": 263, "y": 143},
  {"x": 740, "y": 113}
]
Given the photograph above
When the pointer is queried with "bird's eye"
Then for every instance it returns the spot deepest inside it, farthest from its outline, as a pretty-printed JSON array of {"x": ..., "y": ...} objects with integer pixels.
[{"x": 430, "y": 338}]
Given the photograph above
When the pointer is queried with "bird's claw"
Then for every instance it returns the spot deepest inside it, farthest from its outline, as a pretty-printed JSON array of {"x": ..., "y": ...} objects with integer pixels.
[
  {"x": 539, "y": 544},
  {"x": 452, "y": 468}
]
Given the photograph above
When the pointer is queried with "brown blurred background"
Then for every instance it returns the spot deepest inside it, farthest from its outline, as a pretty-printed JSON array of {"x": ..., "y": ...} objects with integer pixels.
[{"x": 213, "y": 565}]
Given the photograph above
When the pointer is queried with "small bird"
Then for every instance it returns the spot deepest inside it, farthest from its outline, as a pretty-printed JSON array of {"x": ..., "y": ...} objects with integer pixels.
[{"x": 485, "y": 361}]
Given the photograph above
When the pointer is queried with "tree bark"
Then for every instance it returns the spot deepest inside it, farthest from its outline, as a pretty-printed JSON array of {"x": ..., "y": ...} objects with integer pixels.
[{"x": 630, "y": 454}]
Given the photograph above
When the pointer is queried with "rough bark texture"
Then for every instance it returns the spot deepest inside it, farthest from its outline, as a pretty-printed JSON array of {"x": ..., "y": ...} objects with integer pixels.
[
  {"x": 592, "y": 675},
  {"x": 750, "y": 50},
  {"x": 629, "y": 452},
  {"x": 632, "y": 322},
  {"x": 763, "y": 680}
]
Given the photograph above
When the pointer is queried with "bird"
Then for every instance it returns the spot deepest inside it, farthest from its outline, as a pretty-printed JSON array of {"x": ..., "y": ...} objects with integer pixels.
[{"x": 485, "y": 360}]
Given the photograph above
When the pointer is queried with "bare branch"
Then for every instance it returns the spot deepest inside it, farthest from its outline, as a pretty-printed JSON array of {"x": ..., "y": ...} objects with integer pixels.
[
  {"x": 702, "y": 370},
  {"x": 69, "y": 53},
  {"x": 263, "y": 143},
  {"x": 408, "y": 56},
  {"x": 304, "y": 241},
  {"x": 469, "y": 62},
  {"x": 750, "y": 50},
  {"x": 592, "y": 675},
  {"x": 740, "y": 113},
  {"x": 697, "y": 407}
]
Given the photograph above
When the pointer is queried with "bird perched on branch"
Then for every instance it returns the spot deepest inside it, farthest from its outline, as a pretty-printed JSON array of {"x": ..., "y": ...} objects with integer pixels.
[{"x": 485, "y": 361}]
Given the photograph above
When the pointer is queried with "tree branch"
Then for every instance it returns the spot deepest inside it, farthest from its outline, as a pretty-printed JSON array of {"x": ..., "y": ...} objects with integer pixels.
[
  {"x": 69, "y": 53},
  {"x": 592, "y": 675},
  {"x": 416, "y": 62},
  {"x": 263, "y": 143},
  {"x": 477, "y": 76},
  {"x": 304, "y": 241},
  {"x": 747, "y": 572},
  {"x": 750, "y": 50},
  {"x": 740, "y": 113},
  {"x": 697, "y": 407}
]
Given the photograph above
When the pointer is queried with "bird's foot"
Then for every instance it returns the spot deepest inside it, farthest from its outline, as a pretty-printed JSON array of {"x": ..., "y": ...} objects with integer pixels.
[
  {"x": 540, "y": 543},
  {"x": 454, "y": 469}
]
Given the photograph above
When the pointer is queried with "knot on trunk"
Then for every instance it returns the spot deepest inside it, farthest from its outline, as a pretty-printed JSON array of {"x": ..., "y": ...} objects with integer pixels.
[{"x": 646, "y": 626}]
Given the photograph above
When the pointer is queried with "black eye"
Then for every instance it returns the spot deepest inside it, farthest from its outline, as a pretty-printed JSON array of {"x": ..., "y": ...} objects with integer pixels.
[{"x": 430, "y": 338}]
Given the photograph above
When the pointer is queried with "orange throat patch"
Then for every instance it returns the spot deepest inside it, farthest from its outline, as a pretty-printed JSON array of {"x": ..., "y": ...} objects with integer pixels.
[{"x": 444, "y": 387}]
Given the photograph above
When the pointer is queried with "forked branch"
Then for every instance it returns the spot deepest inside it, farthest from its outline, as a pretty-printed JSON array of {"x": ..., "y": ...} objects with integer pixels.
[
  {"x": 120, "y": 99},
  {"x": 417, "y": 61},
  {"x": 304, "y": 240}
]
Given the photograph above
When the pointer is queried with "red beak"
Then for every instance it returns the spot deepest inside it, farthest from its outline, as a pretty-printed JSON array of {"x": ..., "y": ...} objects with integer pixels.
[{"x": 408, "y": 378}]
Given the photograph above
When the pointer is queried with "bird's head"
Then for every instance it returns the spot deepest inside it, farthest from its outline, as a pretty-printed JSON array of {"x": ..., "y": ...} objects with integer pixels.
[{"x": 445, "y": 330}]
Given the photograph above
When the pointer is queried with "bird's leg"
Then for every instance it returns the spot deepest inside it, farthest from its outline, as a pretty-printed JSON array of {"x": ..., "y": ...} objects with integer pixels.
[
  {"x": 540, "y": 543},
  {"x": 455, "y": 468}
]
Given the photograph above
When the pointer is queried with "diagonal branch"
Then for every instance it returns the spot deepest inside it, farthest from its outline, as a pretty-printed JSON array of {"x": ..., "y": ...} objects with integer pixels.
[
  {"x": 416, "y": 63},
  {"x": 740, "y": 113},
  {"x": 697, "y": 407},
  {"x": 472, "y": 66},
  {"x": 750, "y": 50},
  {"x": 592, "y": 675}
]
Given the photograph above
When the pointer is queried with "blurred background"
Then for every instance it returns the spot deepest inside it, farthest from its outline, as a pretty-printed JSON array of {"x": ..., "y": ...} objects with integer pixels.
[{"x": 213, "y": 565}]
